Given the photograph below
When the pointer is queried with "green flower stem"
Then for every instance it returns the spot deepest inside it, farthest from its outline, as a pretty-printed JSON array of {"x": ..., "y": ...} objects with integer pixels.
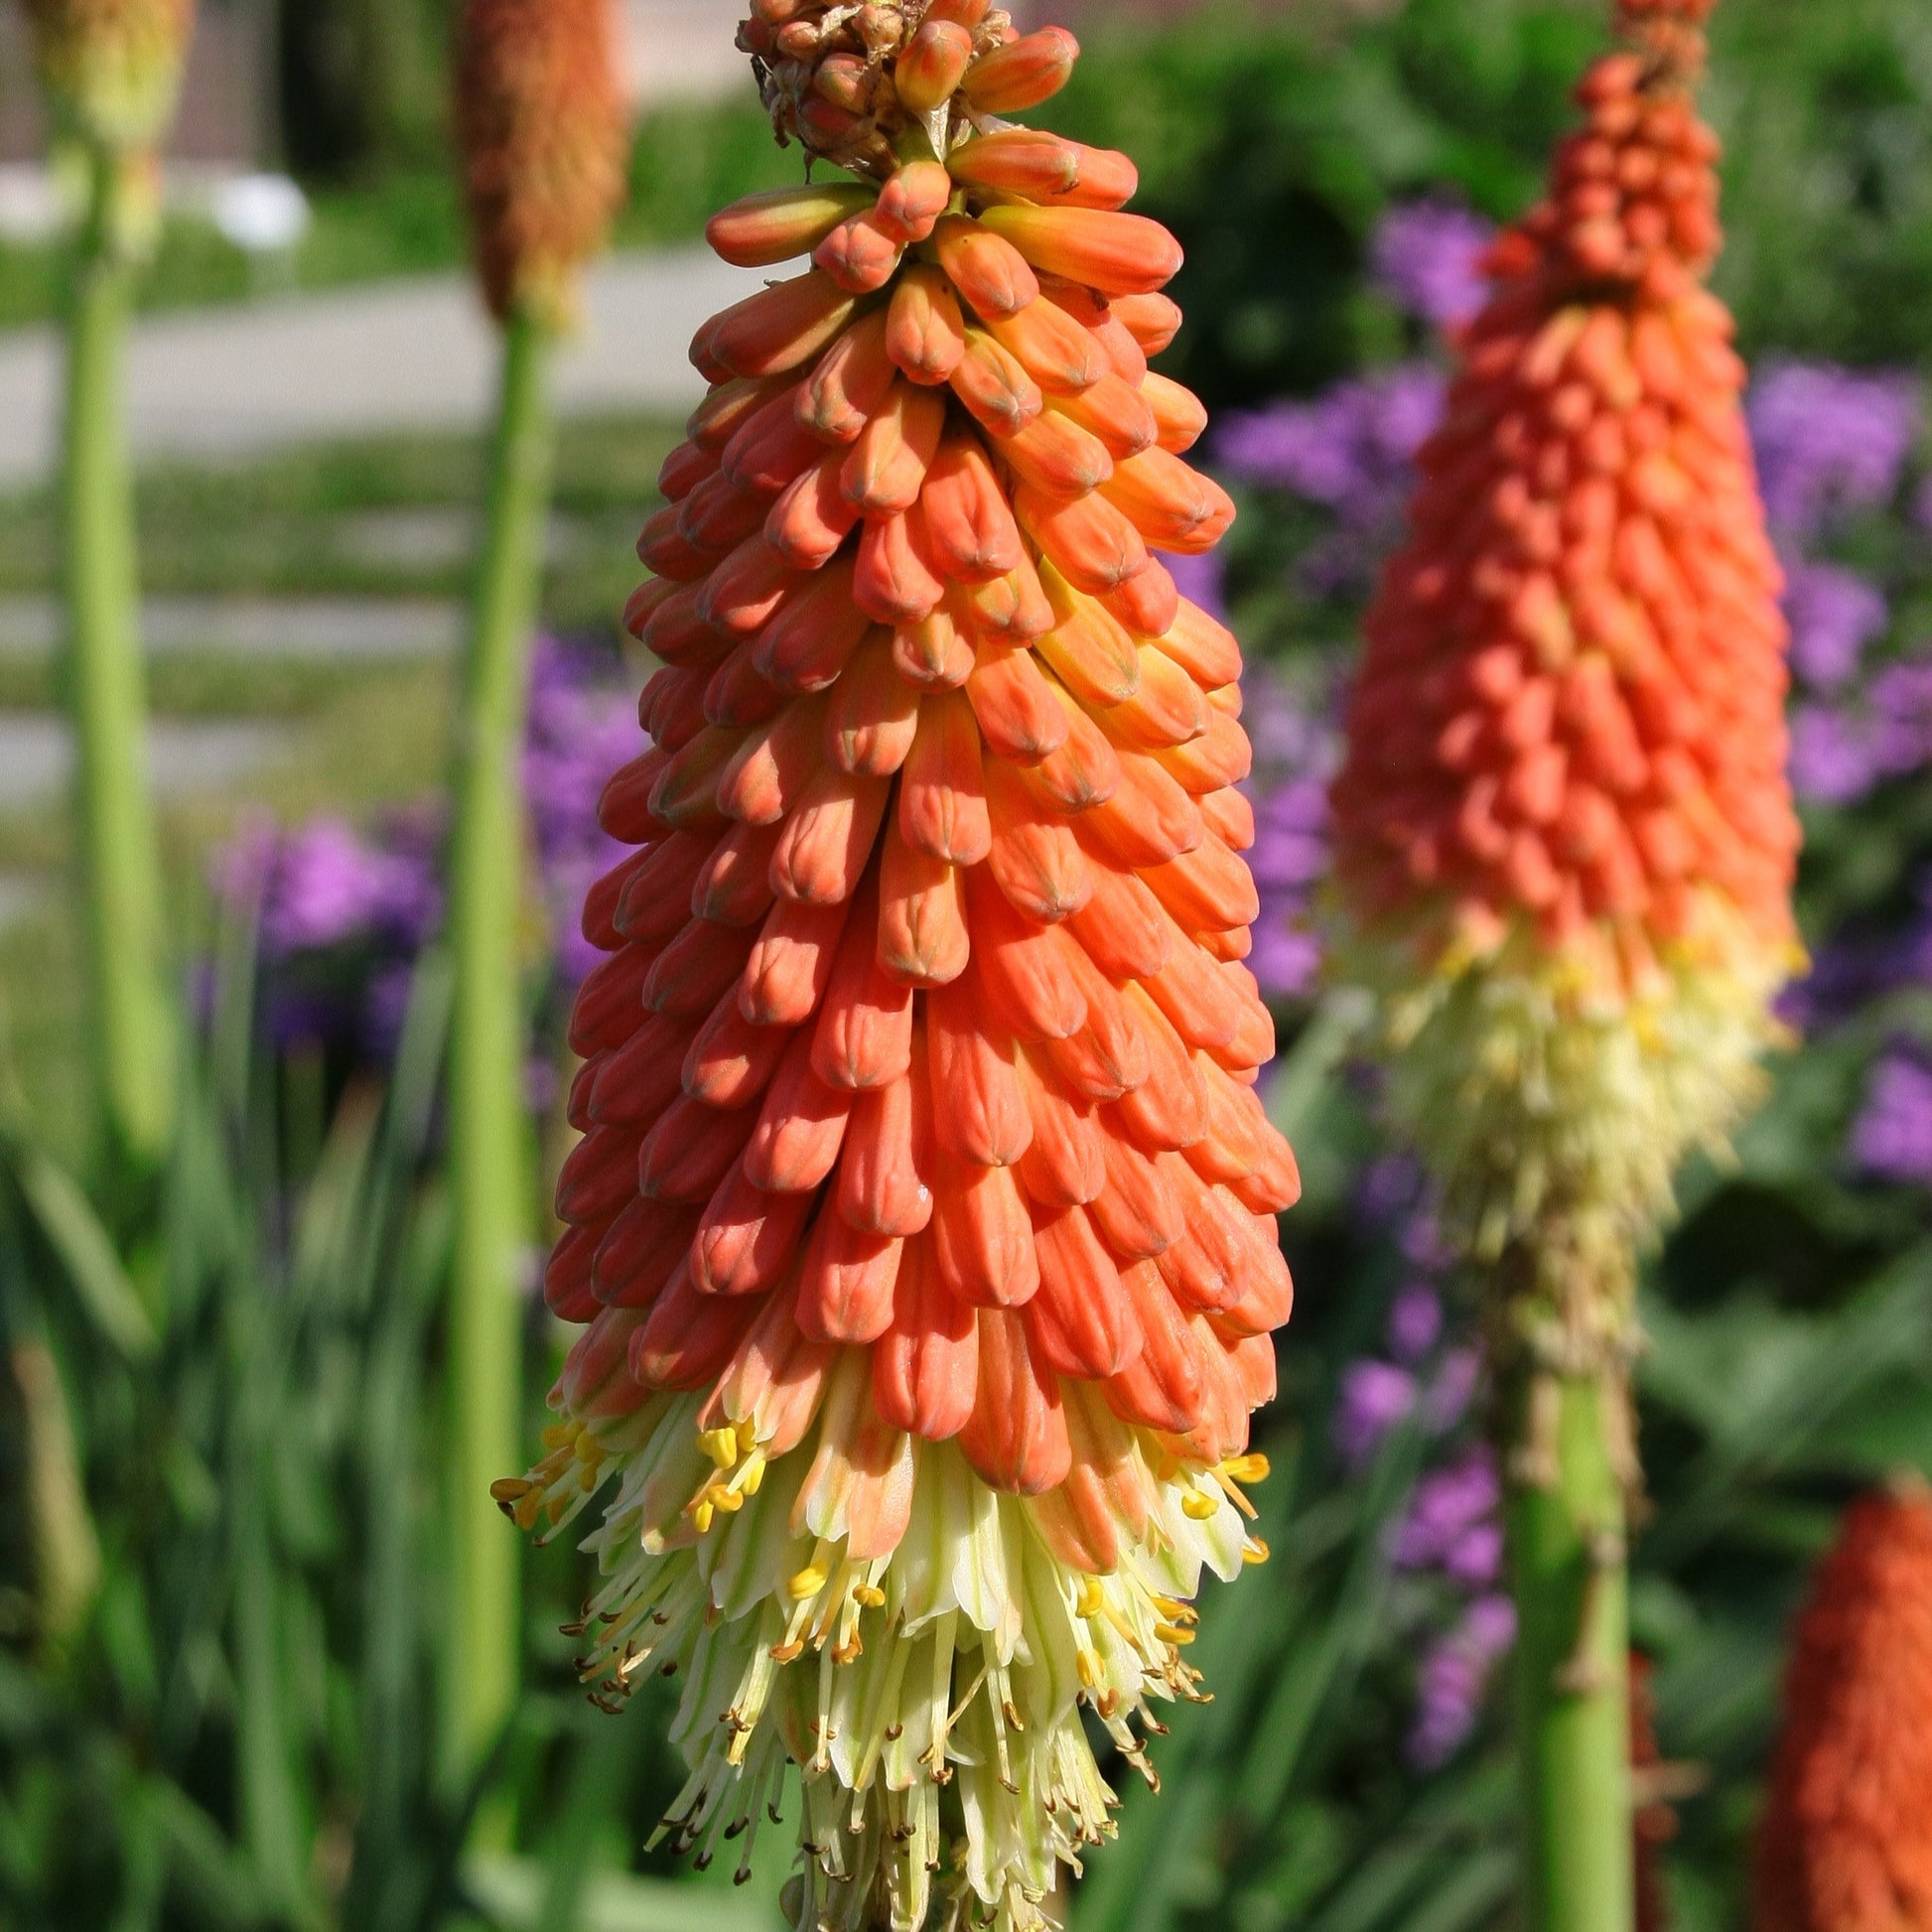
[
  {"x": 1566, "y": 1556},
  {"x": 105, "y": 682},
  {"x": 489, "y": 1139}
]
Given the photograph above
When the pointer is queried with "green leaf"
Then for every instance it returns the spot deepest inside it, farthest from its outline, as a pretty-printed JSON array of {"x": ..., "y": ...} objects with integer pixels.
[{"x": 85, "y": 1250}]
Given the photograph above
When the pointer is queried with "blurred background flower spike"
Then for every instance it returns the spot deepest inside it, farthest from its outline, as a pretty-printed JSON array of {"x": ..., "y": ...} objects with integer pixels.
[
  {"x": 110, "y": 71},
  {"x": 1566, "y": 847},
  {"x": 542, "y": 133}
]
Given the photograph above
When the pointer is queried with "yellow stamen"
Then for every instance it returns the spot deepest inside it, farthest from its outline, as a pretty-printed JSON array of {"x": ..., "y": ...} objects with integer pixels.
[
  {"x": 1088, "y": 1665},
  {"x": 702, "y": 1514},
  {"x": 1252, "y": 1468},
  {"x": 1254, "y": 1551},
  {"x": 1200, "y": 1506},
  {"x": 1090, "y": 1598},
  {"x": 1174, "y": 1633},
  {"x": 871, "y": 1596},
  {"x": 808, "y": 1582},
  {"x": 720, "y": 1445}
]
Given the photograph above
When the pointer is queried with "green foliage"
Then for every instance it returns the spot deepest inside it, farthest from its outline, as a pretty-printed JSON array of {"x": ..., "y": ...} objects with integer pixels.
[
  {"x": 1272, "y": 143},
  {"x": 221, "y": 1627}
]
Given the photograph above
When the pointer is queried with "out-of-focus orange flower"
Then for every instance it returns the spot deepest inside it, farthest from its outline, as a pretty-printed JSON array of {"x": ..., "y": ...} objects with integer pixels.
[
  {"x": 112, "y": 68},
  {"x": 1565, "y": 839},
  {"x": 923, "y": 1219},
  {"x": 542, "y": 128},
  {"x": 1846, "y": 1843}
]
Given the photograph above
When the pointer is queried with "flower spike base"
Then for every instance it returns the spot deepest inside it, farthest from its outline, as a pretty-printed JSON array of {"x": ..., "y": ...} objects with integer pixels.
[
  {"x": 1565, "y": 849},
  {"x": 923, "y": 1220}
]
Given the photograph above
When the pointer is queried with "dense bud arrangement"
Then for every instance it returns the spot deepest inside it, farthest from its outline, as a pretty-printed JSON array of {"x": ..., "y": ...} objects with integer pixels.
[
  {"x": 541, "y": 124},
  {"x": 1846, "y": 1843},
  {"x": 1564, "y": 837},
  {"x": 850, "y": 81},
  {"x": 923, "y": 1219},
  {"x": 112, "y": 68}
]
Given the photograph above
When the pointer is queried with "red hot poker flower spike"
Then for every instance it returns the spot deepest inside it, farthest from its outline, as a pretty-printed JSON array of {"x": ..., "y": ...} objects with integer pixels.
[
  {"x": 541, "y": 126},
  {"x": 112, "y": 68},
  {"x": 1564, "y": 837},
  {"x": 923, "y": 1219},
  {"x": 1846, "y": 1843}
]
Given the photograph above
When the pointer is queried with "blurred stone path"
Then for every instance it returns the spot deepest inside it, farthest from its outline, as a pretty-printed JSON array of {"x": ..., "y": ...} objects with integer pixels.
[
  {"x": 332, "y": 630},
  {"x": 395, "y": 356},
  {"x": 36, "y": 754}
]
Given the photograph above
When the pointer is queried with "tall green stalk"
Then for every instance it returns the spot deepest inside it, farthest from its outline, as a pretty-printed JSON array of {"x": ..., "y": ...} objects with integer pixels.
[
  {"x": 1566, "y": 1526},
  {"x": 489, "y": 1140},
  {"x": 119, "y": 862}
]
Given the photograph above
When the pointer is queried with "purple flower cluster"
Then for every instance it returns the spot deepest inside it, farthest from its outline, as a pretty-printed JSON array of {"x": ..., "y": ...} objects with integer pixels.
[
  {"x": 1831, "y": 442},
  {"x": 1891, "y": 1138},
  {"x": 1295, "y": 748},
  {"x": 1451, "y": 1538},
  {"x": 342, "y": 915},
  {"x": 340, "y": 918},
  {"x": 1427, "y": 256},
  {"x": 1828, "y": 439},
  {"x": 1351, "y": 451},
  {"x": 583, "y": 726},
  {"x": 1453, "y": 1679}
]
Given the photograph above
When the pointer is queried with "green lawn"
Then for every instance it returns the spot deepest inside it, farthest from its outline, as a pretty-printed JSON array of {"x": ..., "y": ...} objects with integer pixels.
[{"x": 360, "y": 734}]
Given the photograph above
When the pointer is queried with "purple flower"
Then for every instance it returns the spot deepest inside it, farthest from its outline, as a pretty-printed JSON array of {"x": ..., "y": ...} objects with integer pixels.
[
  {"x": 1447, "y": 1400},
  {"x": 1834, "y": 755},
  {"x": 1415, "y": 1322},
  {"x": 583, "y": 727},
  {"x": 1453, "y": 1522},
  {"x": 1891, "y": 1138},
  {"x": 1201, "y": 580},
  {"x": 1899, "y": 698},
  {"x": 1375, "y": 1396},
  {"x": 1351, "y": 452},
  {"x": 1428, "y": 257},
  {"x": 1834, "y": 614},
  {"x": 1389, "y": 1187},
  {"x": 1828, "y": 439},
  {"x": 1295, "y": 751},
  {"x": 324, "y": 886},
  {"x": 1453, "y": 1678}
]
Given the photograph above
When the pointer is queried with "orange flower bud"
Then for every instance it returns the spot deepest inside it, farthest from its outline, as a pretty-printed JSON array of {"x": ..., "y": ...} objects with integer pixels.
[
  {"x": 1045, "y": 169},
  {"x": 1023, "y": 72},
  {"x": 1119, "y": 255},
  {"x": 932, "y": 65},
  {"x": 783, "y": 222}
]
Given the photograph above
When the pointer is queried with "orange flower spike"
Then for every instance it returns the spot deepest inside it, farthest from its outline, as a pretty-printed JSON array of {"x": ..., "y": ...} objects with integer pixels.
[
  {"x": 542, "y": 129},
  {"x": 1846, "y": 1841},
  {"x": 918, "y": 1158},
  {"x": 1575, "y": 656}
]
